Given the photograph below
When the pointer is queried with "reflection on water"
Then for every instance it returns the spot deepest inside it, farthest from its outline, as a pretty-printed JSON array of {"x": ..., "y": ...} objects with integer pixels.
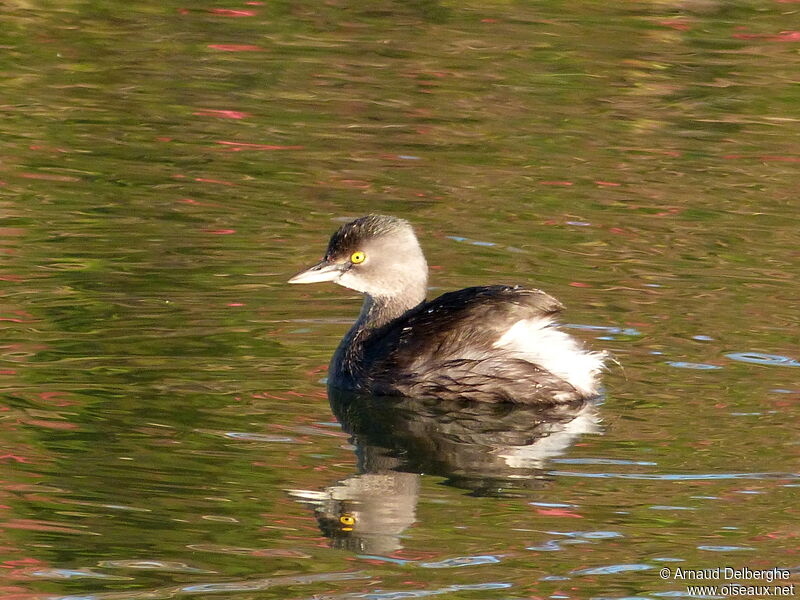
[{"x": 488, "y": 448}]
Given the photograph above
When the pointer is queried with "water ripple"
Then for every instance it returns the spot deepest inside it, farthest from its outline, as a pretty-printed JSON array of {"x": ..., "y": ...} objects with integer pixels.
[
  {"x": 248, "y": 585},
  {"x": 424, "y": 593},
  {"x": 388, "y": 559},
  {"x": 262, "y": 437},
  {"x": 611, "y": 330},
  {"x": 74, "y": 574},
  {"x": 575, "y": 537},
  {"x": 153, "y": 565},
  {"x": 458, "y": 238},
  {"x": 601, "y": 461},
  {"x": 241, "y": 551},
  {"x": 612, "y": 569},
  {"x": 589, "y": 535},
  {"x": 760, "y": 358},
  {"x": 548, "y": 546},
  {"x": 676, "y": 476},
  {"x": 690, "y": 365},
  {"x": 461, "y": 561}
]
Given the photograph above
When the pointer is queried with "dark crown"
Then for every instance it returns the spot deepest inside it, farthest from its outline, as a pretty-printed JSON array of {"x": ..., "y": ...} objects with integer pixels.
[{"x": 351, "y": 235}]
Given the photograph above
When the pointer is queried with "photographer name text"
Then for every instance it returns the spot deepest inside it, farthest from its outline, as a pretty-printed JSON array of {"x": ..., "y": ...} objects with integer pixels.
[{"x": 727, "y": 574}]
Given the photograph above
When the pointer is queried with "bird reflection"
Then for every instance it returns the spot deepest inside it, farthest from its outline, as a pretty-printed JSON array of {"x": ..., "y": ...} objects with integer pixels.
[{"x": 488, "y": 449}]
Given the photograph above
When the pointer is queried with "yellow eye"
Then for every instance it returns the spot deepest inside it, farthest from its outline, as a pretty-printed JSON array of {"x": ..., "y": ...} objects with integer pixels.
[
  {"x": 357, "y": 258},
  {"x": 347, "y": 520}
]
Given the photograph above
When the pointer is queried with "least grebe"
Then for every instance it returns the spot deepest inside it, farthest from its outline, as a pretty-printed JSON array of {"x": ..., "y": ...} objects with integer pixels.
[{"x": 493, "y": 343}]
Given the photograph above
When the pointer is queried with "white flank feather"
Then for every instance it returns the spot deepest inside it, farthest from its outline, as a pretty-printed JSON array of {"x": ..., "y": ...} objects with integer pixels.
[{"x": 540, "y": 342}]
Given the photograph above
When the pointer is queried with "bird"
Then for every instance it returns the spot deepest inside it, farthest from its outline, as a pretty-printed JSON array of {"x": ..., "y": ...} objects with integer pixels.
[{"x": 495, "y": 343}]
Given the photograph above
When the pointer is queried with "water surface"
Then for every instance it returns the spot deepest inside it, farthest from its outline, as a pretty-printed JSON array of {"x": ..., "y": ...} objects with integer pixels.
[{"x": 164, "y": 168}]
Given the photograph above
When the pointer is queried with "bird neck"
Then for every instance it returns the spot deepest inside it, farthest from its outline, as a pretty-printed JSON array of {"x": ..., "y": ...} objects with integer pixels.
[{"x": 377, "y": 311}]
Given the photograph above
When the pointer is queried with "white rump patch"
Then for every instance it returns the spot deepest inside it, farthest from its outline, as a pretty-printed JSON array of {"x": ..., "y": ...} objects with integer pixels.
[{"x": 540, "y": 342}]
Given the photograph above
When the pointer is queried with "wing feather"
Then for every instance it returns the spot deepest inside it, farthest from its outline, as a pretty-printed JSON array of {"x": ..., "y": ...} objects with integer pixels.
[{"x": 446, "y": 349}]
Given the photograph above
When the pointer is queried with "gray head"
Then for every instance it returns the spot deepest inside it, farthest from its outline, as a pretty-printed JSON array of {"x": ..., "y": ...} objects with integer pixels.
[{"x": 377, "y": 255}]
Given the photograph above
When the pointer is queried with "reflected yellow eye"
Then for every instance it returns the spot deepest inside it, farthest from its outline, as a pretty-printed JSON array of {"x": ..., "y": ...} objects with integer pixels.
[
  {"x": 348, "y": 521},
  {"x": 357, "y": 258}
]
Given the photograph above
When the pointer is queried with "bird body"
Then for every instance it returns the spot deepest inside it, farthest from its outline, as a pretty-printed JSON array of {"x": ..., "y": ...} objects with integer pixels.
[{"x": 492, "y": 343}]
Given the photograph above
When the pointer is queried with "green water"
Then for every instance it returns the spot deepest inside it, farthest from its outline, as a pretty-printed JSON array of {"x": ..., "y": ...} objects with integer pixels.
[{"x": 166, "y": 167}]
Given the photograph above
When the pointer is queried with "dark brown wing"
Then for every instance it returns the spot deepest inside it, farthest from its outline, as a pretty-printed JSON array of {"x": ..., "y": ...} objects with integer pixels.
[
  {"x": 458, "y": 323},
  {"x": 445, "y": 349},
  {"x": 490, "y": 379}
]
